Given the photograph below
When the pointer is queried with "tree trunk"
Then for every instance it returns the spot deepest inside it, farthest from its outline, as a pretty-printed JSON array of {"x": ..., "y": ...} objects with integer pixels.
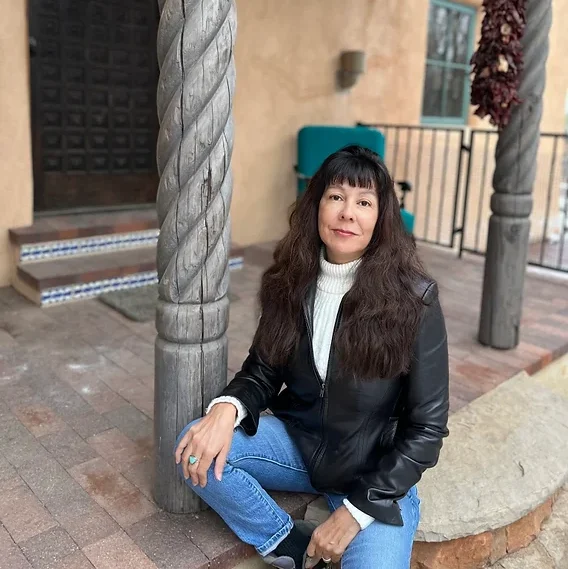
[
  {"x": 195, "y": 95},
  {"x": 511, "y": 203}
]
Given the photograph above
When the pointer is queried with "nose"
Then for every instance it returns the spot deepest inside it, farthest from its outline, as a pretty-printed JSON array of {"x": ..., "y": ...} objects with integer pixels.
[{"x": 346, "y": 213}]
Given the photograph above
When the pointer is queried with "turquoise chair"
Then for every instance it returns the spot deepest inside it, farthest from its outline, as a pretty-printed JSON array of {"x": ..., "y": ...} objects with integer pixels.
[{"x": 316, "y": 143}]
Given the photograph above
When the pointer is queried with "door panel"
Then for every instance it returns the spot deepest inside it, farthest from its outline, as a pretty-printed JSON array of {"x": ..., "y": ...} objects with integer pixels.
[{"x": 93, "y": 76}]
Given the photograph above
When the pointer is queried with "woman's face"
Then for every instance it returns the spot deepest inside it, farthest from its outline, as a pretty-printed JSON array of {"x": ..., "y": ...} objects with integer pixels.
[{"x": 346, "y": 220}]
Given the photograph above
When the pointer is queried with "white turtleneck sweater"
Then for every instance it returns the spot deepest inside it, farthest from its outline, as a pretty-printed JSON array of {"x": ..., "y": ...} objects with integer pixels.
[{"x": 332, "y": 284}]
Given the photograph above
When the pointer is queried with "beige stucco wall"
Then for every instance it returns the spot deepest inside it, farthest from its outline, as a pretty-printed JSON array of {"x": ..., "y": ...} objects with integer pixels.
[
  {"x": 287, "y": 57},
  {"x": 15, "y": 136},
  {"x": 287, "y": 54}
]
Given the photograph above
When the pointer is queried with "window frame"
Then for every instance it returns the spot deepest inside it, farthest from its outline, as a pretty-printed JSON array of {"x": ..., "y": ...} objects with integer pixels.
[{"x": 463, "y": 119}]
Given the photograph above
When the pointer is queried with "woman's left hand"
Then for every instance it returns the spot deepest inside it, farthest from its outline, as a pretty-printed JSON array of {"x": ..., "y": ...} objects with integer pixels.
[{"x": 330, "y": 539}]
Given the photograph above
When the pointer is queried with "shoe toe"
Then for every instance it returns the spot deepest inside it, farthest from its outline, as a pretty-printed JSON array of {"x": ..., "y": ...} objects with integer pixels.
[{"x": 281, "y": 562}]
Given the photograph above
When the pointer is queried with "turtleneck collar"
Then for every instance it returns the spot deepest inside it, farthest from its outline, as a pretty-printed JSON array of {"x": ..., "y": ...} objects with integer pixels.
[{"x": 336, "y": 279}]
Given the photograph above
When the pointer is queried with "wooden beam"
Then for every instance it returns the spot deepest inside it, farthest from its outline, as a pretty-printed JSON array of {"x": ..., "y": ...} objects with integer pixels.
[
  {"x": 513, "y": 180},
  {"x": 195, "y": 96}
]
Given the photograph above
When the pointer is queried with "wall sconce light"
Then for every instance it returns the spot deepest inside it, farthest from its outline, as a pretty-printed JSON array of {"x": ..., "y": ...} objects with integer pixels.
[{"x": 351, "y": 66}]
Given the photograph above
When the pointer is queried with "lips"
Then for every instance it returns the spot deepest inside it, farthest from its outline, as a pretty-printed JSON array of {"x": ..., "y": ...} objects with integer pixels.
[{"x": 344, "y": 232}]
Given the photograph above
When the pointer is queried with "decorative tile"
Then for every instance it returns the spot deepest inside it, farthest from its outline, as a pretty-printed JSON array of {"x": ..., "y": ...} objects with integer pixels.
[
  {"x": 86, "y": 290},
  {"x": 78, "y": 291},
  {"x": 90, "y": 245}
]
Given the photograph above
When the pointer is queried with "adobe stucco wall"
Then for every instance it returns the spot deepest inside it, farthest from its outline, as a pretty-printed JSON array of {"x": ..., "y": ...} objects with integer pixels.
[
  {"x": 15, "y": 145},
  {"x": 286, "y": 56}
]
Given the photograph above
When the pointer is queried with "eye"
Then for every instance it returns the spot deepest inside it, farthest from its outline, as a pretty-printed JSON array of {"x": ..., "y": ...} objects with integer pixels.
[
  {"x": 335, "y": 197},
  {"x": 365, "y": 203}
]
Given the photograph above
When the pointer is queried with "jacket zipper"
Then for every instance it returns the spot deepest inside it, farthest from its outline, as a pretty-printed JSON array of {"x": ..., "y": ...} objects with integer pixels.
[
  {"x": 312, "y": 359},
  {"x": 323, "y": 384}
]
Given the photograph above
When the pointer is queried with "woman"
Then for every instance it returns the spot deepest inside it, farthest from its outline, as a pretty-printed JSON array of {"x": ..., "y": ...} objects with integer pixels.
[{"x": 352, "y": 327}]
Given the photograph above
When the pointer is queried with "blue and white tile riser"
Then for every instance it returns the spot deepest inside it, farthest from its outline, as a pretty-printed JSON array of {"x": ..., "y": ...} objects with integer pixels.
[
  {"x": 88, "y": 245},
  {"x": 80, "y": 291}
]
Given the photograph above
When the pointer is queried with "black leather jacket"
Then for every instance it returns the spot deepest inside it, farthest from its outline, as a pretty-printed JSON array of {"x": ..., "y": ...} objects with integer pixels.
[{"x": 371, "y": 440}]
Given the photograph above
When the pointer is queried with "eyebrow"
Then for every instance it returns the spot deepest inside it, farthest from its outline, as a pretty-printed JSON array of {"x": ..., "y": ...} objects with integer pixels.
[{"x": 370, "y": 191}]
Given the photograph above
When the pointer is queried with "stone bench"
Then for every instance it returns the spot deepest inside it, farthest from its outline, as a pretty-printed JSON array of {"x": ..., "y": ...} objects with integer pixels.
[{"x": 499, "y": 472}]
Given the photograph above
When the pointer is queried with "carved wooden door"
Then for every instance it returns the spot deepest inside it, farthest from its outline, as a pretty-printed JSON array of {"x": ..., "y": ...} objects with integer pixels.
[{"x": 93, "y": 78}]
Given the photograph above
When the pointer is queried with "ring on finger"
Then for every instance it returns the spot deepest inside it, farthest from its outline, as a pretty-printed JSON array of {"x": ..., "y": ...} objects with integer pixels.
[
  {"x": 193, "y": 459},
  {"x": 326, "y": 560}
]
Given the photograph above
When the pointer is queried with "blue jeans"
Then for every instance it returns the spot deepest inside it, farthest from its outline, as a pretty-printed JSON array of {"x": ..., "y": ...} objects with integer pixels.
[{"x": 271, "y": 461}]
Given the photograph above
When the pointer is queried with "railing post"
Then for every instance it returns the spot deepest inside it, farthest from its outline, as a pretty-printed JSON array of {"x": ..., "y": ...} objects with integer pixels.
[
  {"x": 195, "y": 95},
  {"x": 466, "y": 192},
  {"x": 515, "y": 173},
  {"x": 457, "y": 186}
]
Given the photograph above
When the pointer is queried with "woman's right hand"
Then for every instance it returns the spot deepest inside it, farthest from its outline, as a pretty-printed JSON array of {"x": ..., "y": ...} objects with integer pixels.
[{"x": 209, "y": 439}]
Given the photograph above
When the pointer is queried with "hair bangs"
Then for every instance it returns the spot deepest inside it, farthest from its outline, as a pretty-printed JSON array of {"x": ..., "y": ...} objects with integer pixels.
[{"x": 357, "y": 171}]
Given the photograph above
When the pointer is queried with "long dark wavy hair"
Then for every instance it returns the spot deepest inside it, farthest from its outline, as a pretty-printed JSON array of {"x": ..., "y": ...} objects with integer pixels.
[{"x": 381, "y": 312}]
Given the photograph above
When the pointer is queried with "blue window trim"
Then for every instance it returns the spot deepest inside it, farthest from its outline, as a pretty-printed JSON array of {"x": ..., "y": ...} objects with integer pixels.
[{"x": 459, "y": 121}]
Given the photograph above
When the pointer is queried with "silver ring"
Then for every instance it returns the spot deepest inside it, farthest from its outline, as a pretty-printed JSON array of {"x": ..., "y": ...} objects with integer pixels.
[{"x": 326, "y": 560}]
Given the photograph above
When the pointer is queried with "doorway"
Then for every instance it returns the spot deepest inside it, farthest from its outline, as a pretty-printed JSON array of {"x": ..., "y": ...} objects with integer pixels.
[{"x": 93, "y": 83}]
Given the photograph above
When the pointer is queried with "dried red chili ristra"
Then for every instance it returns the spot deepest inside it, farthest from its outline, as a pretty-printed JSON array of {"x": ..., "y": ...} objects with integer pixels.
[{"x": 498, "y": 61}]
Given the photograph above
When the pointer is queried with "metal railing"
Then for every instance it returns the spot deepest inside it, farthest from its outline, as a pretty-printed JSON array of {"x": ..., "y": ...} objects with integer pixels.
[
  {"x": 432, "y": 161},
  {"x": 548, "y": 247},
  {"x": 451, "y": 170}
]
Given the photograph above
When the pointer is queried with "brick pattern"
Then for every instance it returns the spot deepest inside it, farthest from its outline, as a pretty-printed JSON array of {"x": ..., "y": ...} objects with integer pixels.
[
  {"x": 478, "y": 551},
  {"x": 76, "y": 396}
]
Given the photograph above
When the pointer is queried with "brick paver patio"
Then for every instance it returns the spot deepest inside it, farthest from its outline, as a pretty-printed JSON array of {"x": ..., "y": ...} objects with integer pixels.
[{"x": 76, "y": 398}]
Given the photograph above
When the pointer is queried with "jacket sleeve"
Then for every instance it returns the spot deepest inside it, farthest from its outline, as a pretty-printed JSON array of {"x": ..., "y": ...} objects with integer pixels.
[
  {"x": 421, "y": 427},
  {"x": 255, "y": 386}
]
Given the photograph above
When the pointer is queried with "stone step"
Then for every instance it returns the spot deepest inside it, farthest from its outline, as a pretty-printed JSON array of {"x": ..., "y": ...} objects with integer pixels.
[
  {"x": 68, "y": 235},
  {"x": 500, "y": 471},
  {"x": 76, "y": 277},
  {"x": 60, "y": 227},
  {"x": 549, "y": 550}
]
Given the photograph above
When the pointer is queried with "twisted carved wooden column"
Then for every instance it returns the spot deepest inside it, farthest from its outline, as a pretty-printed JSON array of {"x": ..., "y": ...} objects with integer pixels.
[
  {"x": 195, "y": 94},
  {"x": 513, "y": 180}
]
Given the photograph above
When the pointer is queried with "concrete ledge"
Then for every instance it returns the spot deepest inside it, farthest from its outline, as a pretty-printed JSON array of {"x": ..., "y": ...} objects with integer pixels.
[
  {"x": 484, "y": 549},
  {"x": 500, "y": 472},
  {"x": 507, "y": 454}
]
